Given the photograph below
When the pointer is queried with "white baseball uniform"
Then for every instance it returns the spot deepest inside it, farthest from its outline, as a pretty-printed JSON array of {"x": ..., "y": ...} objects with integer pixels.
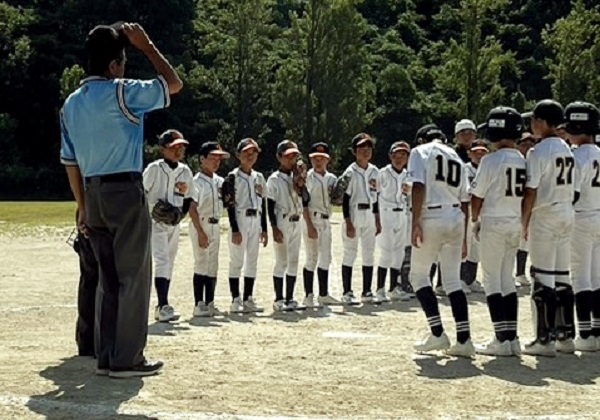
[
  {"x": 210, "y": 209},
  {"x": 550, "y": 170},
  {"x": 318, "y": 251},
  {"x": 288, "y": 211},
  {"x": 440, "y": 170},
  {"x": 362, "y": 189},
  {"x": 173, "y": 185},
  {"x": 500, "y": 183},
  {"x": 250, "y": 192},
  {"x": 393, "y": 214},
  {"x": 585, "y": 242},
  {"x": 473, "y": 245}
]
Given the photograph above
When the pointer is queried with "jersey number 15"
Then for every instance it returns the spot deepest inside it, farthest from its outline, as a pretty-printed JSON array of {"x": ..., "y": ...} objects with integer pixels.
[{"x": 515, "y": 182}]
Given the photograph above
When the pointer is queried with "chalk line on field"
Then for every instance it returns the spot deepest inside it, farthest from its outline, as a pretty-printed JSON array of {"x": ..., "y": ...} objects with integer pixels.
[{"x": 34, "y": 308}]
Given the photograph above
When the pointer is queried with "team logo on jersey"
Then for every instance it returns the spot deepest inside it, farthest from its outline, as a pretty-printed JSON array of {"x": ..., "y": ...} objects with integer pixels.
[
  {"x": 373, "y": 185},
  {"x": 181, "y": 188}
]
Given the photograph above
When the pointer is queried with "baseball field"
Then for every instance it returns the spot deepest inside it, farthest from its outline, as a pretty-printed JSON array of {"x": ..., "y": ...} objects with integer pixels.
[{"x": 347, "y": 363}]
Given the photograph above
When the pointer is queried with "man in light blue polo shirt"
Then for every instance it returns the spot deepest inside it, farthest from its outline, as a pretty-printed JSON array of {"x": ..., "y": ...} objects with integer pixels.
[{"x": 102, "y": 149}]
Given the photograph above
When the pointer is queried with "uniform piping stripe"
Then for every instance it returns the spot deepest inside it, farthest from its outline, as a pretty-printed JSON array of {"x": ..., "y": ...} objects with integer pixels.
[
  {"x": 166, "y": 94},
  {"x": 122, "y": 106}
]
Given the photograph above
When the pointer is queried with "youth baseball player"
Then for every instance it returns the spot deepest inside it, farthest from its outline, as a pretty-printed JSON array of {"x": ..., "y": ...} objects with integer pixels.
[
  {"x": 496, "y": 196},
  {"x": 548, "y": 222},
  {"x": 361, "y": 217},
  {"x": 525, "y": 143},
  {"x": 440, "y": 207},
  {"x": 583, "y": 122},
  {"x": 285, "y": 206},
  {"x": 393, "y": 186},
  {"x": 465, "y": 133},
  {"x": 204, "y": 231},
  {"x": 244, "y": 196},
  {"x": 316, "y": 229},
  {"x": 171, "y": 181}
]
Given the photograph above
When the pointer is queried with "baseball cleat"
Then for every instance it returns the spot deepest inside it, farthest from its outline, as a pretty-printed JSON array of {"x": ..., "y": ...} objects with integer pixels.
[
  {"x": 309, "y": 302},
  {"x": 251, "y": 306},
  {"x": 565, "y": 346},
  {"x": 476, "y": 287},
  {"x": 213, "y": 310},
  {"x": 536, "y": 348},
  {"x": 165, "y": 314},
  {"x": 439, "y": 290},
  {"x": 522, "y": 281},
  {"x": 432, "y": 343},
  {"x": 465, "y": 349},
  {"x": 598, "y": 343},
  {"x": 494, "y": 347},
  {"x": 367, "y": 298},
  {"x": 408, "y": 289},
  {"x": 380, "y": 296},
  {"x": 585, "y": 344},
  {"x": 465, "y": 287},
  {"x": 398, "y": 295},
  {"x": 515, "y": 347},
  {"x": 349, "y": 299},
  {"x": 236, "y": 306},
  {"x": 201, "y": 310},
  {"x": 280, "y": 306},
  {"x": 293, "y": 305},
  {"x": 328, "y": 300}
]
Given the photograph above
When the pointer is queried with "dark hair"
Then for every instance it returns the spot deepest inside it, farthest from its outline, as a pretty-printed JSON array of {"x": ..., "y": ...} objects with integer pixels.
[{"x": 103, "y": 45}]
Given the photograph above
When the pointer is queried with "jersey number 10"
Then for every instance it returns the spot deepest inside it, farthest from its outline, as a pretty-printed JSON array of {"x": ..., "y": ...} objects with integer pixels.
[
  {"x": 515, "y": 182},
  {"x": 448, "y": 171}
]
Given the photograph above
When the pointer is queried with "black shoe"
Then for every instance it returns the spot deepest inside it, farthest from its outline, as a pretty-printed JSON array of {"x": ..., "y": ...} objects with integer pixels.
[
  {"x": 145, "y": 368},
  {"x": 408, "y": 289}
]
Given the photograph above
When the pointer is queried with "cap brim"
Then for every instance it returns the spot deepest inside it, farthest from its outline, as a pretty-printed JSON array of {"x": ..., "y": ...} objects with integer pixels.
[
  {"x": 177, "y": 142},
  {"x": 220, "y": 153},
  {"x": 364, "y": 141},
  {"x": 527, "y": 114},
  {"x": 400, "y": 149},
  {"x": 473, "y": 149},
  {"x": 293, "y": 150},
  {"x": 319, "y": 154},
  {"x": 251, "y": 146}
]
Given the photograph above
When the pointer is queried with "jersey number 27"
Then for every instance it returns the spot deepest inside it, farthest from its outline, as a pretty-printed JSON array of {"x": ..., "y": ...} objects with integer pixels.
[{"x": 448, "y": 171}]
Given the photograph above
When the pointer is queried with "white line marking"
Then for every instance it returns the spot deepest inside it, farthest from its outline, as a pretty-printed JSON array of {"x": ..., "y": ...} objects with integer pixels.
[
  {"x": 34, "y": 308},
  {"x": 350, "y": 335}
]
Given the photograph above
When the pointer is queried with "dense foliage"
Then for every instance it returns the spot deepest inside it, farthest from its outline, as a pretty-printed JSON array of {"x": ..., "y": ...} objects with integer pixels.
[{"x": 306, "y": 69}]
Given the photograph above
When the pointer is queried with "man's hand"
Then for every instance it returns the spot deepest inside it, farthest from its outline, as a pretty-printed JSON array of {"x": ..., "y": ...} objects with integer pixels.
[
  {"x": 417, "y": 235},
  {"x": 477, "y": 230},
  {"x": 81, "y": 226},
  {"x": 137, "y": 36},
  {"x": 350, "y": 231},
  {"x": 312, "y": 231},
  {"x": 277, "y": 235},
  {"x": 264, "y": 238},
  {"x": 202, "y": 239},
  {"x": 236, "y": 238},
  {"x": 465, "y": 250}
]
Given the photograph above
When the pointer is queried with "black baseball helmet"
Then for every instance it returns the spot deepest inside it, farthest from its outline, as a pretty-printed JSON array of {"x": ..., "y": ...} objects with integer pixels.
[
  {"x": 582, "y": 118},
  {"x": 429, "y": 132},
  {"x": 504, "y": 123}
]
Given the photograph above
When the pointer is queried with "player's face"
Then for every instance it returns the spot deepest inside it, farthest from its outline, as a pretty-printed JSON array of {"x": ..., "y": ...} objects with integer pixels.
[
  {"x": 363, "y": 154},
  {"x": 288, "y": 161},
  {"x": 211, "y": 163},
  {"x": 174, "y": 153},
  {"x": 465, "y": 137},
  {"x": 477, "y": 155},
  {"x": 399, "y": 159},
  {"x": 248, "y": 157},
  {"x": 319, "y": 163},
  {"x": 524, "y": 147},
  {"x": 577, "y": 139}
]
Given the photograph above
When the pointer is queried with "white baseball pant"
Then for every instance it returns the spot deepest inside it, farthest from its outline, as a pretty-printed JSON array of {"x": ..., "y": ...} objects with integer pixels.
[
  {"x": 366, "y": 234},
  {"x": 473, "y": 245},
  {"x": 443, "y": 233},
  {"x": 245, "y": 255},
  {"x": 499, "y": 243},
  {"x": 523, "y": 244},
  {"x": 392, "y": 239},
  {"x": 206, "y": 260},
  {"x": 550, "y": 244},
  {"x": 318, "y": 251},
  {"x": 585, "y": 252},
  {"x": 165, "y": 241},
  {"x": 287, "y": 253}
]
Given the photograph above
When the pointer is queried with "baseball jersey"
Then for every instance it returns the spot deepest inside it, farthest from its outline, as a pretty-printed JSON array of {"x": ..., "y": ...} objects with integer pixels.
[
  {"x": 161, "y": 182},
  {"x": 470, "y": 171},
  {"x": 550, "y": 167},
  {"x": 319, "y": 188},
  {"x": 500, "y": 183},
  {"x": 587, "y": 177},
  {"x": 250, "y": 190},
  {"x": 390, "y": 187},
  {"x": 280, "y": 189},
  {"x": 439, "y": 168},
  {"x": 208, "y": 195},
  {"x": 362, "y": 187}
]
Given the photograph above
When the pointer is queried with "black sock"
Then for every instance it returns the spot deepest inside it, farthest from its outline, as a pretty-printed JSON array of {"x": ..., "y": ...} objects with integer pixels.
[
  {"x": 381, "y": 275},
  {"x": 162, "y": 290},
  {"x": 290, "y": 285},
  {"x": 495, "y": 304},
  {"x": 367, "y": 273},
  {"x": 211, "y": 285},
  {"x": 248, "y": 287},
  {"x": 198, "y": 282},
  {"x": 511, "y": 314},
  {"x": 464, "y": 272},
  {"x": 347, "y": 278},
  {"x": 439, "y": 272},
  {"x": 394, "y": 275},
  {"x": 521, "y": 262},
  {"x": 596, "y": 313},
  {"x": 432, "y": 272},
  {"x": 430, "y": 306},
  {"x": 309, "y": 279},
  {"x": 278, "y": 286},
  {"x": 405, "y": 270},
  {"x": 583, "y": 306},
  {"x": 234, "y": 287},
  {"x": 323, "y": 276},
  {"x": 460, "y": 312},
  {"x": 472, "y": 271}
]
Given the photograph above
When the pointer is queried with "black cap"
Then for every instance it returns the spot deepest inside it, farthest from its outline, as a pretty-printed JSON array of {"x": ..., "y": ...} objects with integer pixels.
[
  {"x": 212, "y": 148},
  {"x": 582, "y": 118},
  {"x": 550, "y": 111},
  {"x": 429, "y": 132},
  {"x": 400, "y": 146},
  {"x": 504, "y": 123},
  {"x": 526, "y": 137},
  {"x": 246, "y": 144},
  {"x": 171, "y": 138},
  {"x": 362, "y": 140},
  {"x": 479, "y": 145},
  {"x": 287, "y": 147},
  {"x": 106, "y": 42},
  {"x": 319, "y": 149}
]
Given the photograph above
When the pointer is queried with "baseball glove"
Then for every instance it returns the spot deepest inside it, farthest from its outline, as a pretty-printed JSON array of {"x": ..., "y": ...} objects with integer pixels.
[
  {"x": 167, "y": 213},
  {"x": 228, "y": 191},
  {"x": 299, "y": 175},
  {"x": 339, "y": 189}
]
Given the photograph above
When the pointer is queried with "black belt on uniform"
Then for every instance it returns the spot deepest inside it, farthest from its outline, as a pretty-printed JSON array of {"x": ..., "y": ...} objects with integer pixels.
[
  {"x": 440, "y": 206},
  {"x": 251, "y": 212},
  {"x": 213, "y": 220},
  {"x": 118, "y": 177},
  {"x": 397, "y": 209},
  {"x": 321, "y": 215},
  {"x": 293, "y": 218},
  {"x": 363, "y": 206}
]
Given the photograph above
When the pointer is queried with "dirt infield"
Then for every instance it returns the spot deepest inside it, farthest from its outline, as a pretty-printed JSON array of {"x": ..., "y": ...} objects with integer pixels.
[{"x": 343, "y": 364}]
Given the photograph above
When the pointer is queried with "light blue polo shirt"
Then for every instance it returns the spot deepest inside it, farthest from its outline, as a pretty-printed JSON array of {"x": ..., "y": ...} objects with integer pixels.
[{"x": 102, "y": 123}]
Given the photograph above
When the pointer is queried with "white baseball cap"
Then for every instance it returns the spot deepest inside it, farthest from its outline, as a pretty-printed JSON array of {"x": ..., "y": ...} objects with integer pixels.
[{"x": 464, "y": 125}]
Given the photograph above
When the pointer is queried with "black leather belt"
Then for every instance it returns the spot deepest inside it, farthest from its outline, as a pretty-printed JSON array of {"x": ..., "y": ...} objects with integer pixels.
[
  {"x": 440, "y": 206},
  {"x": 362, "y": 206},
  {"x": 251, "y": 212},
  {"x": 213, "y": 220},
  {"x": 397, "y": 209},
  {"x": 321, "y": 215},
  {"x": 294, "y": 218},
  {"x": 118, "y": 177}
]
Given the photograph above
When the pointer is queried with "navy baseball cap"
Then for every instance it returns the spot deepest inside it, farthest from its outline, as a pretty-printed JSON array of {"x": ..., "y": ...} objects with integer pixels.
[
  {"x": 582, "y": 118},
  {"x": 319, "y": 149},
  {"x": 429, "y": 132},
  {"x": 400, "y": 146},
  {"x": 526, "y": 137},
  {"x": 171, "y": 138},
  {"x": 362, "y": 140},
  {"x": 548, "y": 110},
  {"x": 212, "y": 148},
  {"x": 246, "y": 144},
  {"x": 478, "y": 145},
  {"x": 504, "y": 123},
  {"x": 287, "y": 147}
]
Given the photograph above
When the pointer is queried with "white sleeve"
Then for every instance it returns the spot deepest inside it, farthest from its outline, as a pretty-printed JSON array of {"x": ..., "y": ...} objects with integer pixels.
[
  {"x": 350, "y": 188},
  {"x": 272, "y": 190},
  {"x": 191, "y": 190},
  {"x": 149, "y": 177},
  {"x": 534, "y": 169},
  {"x": 579, "y": 174},
  {"x": 481, "y": 183},
  {"x": 416, "y": 169}
]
